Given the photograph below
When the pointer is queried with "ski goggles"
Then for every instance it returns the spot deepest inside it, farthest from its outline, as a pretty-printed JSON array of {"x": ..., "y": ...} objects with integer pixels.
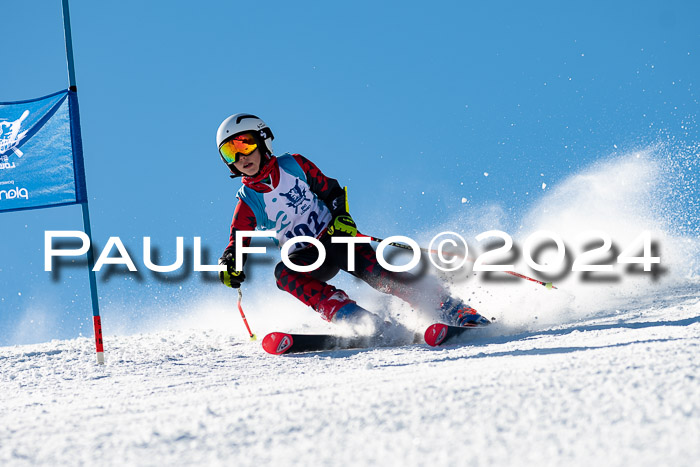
[{"x": 232, "y": 149}]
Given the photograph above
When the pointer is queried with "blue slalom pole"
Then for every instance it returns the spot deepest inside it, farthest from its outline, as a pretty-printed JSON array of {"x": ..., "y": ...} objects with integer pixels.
[
  {"x": 77, "y": 146},
  {"x": 69, "y": 46}
]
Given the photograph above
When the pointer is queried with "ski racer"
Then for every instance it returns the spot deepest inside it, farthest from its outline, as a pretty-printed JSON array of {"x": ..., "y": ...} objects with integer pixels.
[{"x": 290, "y": 196}]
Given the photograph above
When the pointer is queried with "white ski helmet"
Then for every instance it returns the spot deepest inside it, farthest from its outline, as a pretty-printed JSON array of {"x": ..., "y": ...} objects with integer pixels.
[{"x": 244, "y": 123}]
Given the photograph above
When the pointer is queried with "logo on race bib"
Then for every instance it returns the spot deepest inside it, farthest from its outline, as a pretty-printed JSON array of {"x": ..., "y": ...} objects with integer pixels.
[
  {"x": 10, "y": 138},
  {"x": 296, "y": 196}
]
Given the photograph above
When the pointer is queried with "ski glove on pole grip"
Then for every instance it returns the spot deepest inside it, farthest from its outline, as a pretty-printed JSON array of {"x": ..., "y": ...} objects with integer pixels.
[
  {"x": 230, "y": 277},
  {"x": 343, "y": 225}
]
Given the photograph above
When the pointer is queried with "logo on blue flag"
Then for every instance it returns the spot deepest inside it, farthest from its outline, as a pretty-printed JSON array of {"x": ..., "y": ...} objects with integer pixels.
[{"x": 10, "y": 136}]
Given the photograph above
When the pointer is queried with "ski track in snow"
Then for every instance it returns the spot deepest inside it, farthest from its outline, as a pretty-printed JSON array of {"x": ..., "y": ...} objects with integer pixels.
[{"x": 616, "y": 389}]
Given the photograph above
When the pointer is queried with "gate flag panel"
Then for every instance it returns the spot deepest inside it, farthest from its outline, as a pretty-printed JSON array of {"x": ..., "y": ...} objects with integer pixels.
[{"x": 41, "y": 160}]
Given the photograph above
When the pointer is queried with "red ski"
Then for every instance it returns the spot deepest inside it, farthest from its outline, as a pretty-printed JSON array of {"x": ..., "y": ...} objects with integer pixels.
[
  {"x": 278, "y": 343},
  {"x": 439, "y": 333}
]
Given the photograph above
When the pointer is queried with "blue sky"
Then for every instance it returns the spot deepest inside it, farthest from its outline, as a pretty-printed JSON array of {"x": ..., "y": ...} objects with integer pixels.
[{"x": 407, "y": 103}]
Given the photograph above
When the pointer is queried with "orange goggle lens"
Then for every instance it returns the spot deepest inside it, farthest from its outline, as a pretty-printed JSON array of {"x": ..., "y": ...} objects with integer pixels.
[{"x": 234, "y": 147}]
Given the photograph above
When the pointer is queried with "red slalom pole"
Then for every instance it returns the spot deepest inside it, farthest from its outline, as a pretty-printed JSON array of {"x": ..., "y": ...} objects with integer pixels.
[
  {"x": 99, "y": 346},
  {"x": 548, "y": 285},
  {"x": 253, "y": 337}
]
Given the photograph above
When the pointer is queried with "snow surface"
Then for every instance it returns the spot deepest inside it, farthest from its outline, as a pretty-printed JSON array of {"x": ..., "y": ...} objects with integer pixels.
[
  {"x": 600, "y": 372},
  {"x": 619, "y": 389}
]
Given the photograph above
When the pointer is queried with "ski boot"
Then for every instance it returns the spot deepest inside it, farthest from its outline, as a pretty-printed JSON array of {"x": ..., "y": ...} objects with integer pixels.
[
  {"x": 340, "y": 309},
  {"x": 359, "y": 319},
  {"x": 457, "y": 313}
]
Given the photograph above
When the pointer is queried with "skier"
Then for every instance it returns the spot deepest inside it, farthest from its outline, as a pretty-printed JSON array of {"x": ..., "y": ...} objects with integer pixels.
[{"x": 292, "y": 197}]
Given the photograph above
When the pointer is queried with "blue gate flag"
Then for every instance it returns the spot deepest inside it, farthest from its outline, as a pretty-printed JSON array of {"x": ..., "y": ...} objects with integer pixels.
[{"x": 41, "y": 155}]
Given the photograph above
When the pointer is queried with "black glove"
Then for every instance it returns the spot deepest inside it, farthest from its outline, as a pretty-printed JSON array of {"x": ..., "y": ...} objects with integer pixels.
[
  {"x": 342, "y": 225},
  {"x": 230, "y": 277}
]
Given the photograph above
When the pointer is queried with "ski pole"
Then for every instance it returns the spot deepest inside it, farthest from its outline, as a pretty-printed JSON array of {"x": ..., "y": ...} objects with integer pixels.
[
  {"x": 548, "y": 285},
  {"x": 253, "y": 337}
]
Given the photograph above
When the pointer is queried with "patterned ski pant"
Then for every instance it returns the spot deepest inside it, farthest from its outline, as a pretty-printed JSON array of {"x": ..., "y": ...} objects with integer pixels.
[{"x": 312, "y": 287}]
